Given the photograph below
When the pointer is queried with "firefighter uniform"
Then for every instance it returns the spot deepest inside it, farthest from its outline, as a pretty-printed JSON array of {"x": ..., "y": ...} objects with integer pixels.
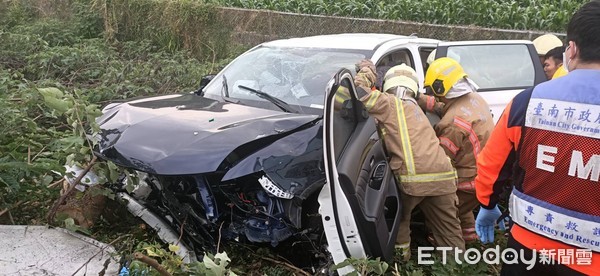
[
  {"x": 425, "y": 174},
  {"x": 465, "y": 126},
  {"x": 548, "y": 140}
]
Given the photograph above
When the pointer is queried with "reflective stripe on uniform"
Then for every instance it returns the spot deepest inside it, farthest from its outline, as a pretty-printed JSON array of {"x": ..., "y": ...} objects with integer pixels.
[
  {"x": 412, "y": 175},
  {"x": 466, "y": 186},
  {"x": 340, "y": 99},
  {"x": 406, "y": 147},
  {"x": 448, "y": 144},
  {"x": 402, "y": 246},
  {"x": 430, "y": 103},
  {"x": 372, "y": 100},
  {"x": 468, "y": 230},
  {"x": 469, "y": 234},
  {"x": 404, "y": 249},
  {"x": 428, "y": 177},
  {"x": 342, "y": 95},
  {"x": 472, "y": 136}
]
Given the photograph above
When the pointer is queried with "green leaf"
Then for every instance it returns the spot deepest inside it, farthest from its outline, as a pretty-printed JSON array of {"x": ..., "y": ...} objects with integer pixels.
[
  {"x": 212, "y": 266},
  {"x": 55, "y": 99},
  {"x": 173, "y": 248},
  {"x": 153, "y": 252},
  {"x": 51, "y": 92},
  {"x": 217, "y": 265},
  {"x": 70, "y": 225},
  {"x": 59, "y": 105},
  {"x": 47, "y": 180}
]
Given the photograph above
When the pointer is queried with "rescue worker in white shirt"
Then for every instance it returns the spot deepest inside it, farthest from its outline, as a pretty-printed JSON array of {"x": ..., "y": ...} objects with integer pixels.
[
  {"x": 548, "y": 140},
  {"x": 425, "y": 175},
  {"x": 465, "y": 126}
]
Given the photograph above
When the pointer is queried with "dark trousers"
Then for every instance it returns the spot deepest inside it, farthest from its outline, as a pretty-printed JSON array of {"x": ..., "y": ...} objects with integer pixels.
[{"x": 538, "y": 269}]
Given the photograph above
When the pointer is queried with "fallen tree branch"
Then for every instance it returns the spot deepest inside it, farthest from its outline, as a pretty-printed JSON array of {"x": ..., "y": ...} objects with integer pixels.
[
  {"x": 11, "y": 207},
  {"x": 294, "y": 268},
  {"x": 52, "y": 212},
  {"x": 37, "y": 154},
  {"x": 219, "y": 240},
  {"x": 55, "y": 183},
  {"x": 151, "y": 262}
]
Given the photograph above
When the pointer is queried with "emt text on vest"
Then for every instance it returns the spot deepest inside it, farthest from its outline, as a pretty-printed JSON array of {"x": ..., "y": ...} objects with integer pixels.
[{"x": 577, "y": 167}]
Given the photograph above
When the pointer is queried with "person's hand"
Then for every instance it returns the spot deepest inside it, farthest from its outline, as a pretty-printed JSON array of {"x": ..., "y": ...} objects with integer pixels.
[
  {"x": 365, "y": 63},
  {"x": 485, "y": 222},
  {"x": 365, "y": 74},
  {"x": 365, "y": 78}
]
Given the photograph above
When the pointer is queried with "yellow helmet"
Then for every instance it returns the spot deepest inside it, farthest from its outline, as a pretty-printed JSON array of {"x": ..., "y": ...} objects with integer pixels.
[
  {"x": 442, "y": 74},
  {"x": 401, "y": 75}
]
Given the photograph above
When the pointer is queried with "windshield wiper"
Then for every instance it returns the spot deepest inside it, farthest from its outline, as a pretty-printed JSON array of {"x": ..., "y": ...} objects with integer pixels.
[
  {"x": 276, "y": 101},
  {"x": 225, "y": 92}
]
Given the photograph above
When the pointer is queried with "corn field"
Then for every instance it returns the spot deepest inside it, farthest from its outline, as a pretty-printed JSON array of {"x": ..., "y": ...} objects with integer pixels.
[{"x": 546, "y": 15}]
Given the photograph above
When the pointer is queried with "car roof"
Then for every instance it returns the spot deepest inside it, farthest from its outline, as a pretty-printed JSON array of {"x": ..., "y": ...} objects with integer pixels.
[
  {"x": 357, "y": 41},
  {"x": 484, "y": 42}
]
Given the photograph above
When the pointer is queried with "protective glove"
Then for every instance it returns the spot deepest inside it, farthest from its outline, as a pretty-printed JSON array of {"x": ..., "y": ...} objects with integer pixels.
[
  {"x": 485, "y": 222},
  {"x": 365, "y": 63},
  {"x": 365, "y": 78}
]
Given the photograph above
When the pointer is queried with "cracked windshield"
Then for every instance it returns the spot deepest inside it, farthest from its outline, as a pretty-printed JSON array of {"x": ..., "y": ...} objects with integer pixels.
[{"x": 298, "y": 76}]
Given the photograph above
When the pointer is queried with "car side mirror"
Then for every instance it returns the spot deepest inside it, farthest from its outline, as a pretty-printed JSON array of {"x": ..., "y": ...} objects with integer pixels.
[{"x": 203, "y": 83}]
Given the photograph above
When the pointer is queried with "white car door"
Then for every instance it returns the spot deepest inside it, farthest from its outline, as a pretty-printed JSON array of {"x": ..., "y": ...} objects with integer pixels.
[
  {"x": 360, "y": 202},
  {"x": 501, "y": 68}
]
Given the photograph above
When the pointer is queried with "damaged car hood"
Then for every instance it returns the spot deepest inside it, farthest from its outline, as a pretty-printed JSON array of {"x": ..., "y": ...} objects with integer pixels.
[{"x": 188, "y": 134}]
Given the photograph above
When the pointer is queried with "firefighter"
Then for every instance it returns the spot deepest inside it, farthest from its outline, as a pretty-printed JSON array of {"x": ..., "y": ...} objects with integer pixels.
[
  {"x": 424, "y": 173},
  {"x": 548, "y": 140},
  {"x": 465, "y": 126}
]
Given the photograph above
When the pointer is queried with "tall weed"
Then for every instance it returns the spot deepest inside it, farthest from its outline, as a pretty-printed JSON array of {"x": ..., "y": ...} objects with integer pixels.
[{"x": 54, "y": 78}]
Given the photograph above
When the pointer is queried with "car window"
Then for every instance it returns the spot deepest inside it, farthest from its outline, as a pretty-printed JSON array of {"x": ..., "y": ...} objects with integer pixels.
[
  {"x": 424, "y": 53},
  {"x": 344, "y": 117},
  {"x": 297, "y": 76},
  {"x": 390, "y": 60},
  {"x": 495, "y": 67}
]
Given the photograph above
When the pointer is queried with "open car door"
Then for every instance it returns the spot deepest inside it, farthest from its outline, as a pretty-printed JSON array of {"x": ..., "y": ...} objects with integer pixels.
[{"x": 360, "y": 203}]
